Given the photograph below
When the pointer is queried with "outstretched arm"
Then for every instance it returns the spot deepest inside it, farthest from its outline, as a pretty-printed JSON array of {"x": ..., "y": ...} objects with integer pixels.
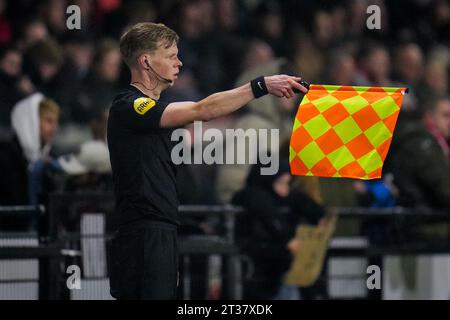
[{"x": 225, "y": 102}]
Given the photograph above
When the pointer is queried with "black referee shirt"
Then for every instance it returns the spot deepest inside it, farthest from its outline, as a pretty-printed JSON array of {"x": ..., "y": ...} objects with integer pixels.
[{"x": 143, "y": 173}]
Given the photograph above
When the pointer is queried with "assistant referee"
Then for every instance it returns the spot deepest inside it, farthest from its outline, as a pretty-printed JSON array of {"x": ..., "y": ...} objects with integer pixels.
[{"x": 143, "y": 255}]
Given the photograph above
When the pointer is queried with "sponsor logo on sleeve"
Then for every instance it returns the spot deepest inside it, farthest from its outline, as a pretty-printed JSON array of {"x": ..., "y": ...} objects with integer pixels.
[{"x": 142, "y": 105}]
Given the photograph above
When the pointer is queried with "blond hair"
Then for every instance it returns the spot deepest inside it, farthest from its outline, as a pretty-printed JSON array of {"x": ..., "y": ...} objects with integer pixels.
[
  {"x": 145, "y": 37},
  {"x": 48, "y": 105}
]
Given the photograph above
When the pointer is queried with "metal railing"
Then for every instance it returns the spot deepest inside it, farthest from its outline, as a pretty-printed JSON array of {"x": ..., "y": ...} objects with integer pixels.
[{"x": 60, "y": 241}]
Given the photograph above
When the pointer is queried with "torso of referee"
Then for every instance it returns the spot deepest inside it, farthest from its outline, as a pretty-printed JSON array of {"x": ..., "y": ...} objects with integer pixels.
[{"x": 143, "y": 173}]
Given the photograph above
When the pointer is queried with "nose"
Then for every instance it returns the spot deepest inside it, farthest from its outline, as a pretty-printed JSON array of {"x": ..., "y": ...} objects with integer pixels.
[{"x": 180, "y": 64}]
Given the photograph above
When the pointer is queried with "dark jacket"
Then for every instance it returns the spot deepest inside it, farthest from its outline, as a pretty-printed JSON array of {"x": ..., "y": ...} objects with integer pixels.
[
  {"x": 14, "y": 174},
  {"x": 265, "y": 223},
  {"x": 421, "y": 170},
  {"x": 263, "y": 233}
]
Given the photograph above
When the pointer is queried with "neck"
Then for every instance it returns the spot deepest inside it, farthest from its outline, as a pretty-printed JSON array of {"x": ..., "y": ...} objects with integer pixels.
[{"x": 147, "y": 84}]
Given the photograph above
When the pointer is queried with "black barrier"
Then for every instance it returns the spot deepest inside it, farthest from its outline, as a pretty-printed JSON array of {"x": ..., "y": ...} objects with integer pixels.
[
  {"x": 32, "y": 243},
  {"x": 62, "y": 243}
]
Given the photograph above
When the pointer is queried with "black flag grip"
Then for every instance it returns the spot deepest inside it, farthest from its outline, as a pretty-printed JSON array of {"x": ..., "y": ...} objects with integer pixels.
[{"x": 303, "y": 83}]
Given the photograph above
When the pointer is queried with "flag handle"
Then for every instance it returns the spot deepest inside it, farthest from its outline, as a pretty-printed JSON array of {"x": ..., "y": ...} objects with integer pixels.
[{"x": 303, "y": 83}]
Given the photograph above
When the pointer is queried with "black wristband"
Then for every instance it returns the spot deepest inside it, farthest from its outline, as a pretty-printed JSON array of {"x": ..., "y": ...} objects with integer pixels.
[{"x": 259, "y": 87}]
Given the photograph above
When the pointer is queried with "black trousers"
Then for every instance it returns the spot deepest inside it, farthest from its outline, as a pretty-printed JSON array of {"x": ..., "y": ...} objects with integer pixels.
[{"x": 143, "y": 261}]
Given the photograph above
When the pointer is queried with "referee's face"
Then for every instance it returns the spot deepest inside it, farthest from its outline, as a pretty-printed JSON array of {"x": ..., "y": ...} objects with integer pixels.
[{"x": 165, "y": 61}]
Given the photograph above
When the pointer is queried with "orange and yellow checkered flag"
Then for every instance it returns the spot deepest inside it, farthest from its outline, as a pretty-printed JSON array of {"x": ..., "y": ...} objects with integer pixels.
[{"x": 344, "y": 131}]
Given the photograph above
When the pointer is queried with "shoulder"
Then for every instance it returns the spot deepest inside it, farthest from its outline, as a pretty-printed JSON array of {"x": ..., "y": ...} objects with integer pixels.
[
  {"x": 134, "y": 100},
  {"x": 133, "y": 110},
  {"x": 125, "y": 96}
]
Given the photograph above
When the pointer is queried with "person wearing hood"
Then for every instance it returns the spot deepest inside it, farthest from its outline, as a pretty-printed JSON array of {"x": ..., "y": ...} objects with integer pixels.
[
  {"x": 264, "y": 232},
  {"x": 34, "y": 121}
]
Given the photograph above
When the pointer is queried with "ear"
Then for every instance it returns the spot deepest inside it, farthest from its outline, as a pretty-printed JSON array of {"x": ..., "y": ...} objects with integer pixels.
[{"x": 142, "y": 61}]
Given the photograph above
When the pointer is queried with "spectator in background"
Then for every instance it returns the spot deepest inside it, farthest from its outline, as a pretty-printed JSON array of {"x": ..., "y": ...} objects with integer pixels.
[
  {"x": 13, "y": 86},
  {"x": 42, "y": 62},
  {"x": 199, "y": 47},
  {"x": 341, "y": 68},
  {"x": 339, "y": 19},
  {"x": 78, "y": 52},
  {"x": 99, "y": 86},
  {"x": 307, "y": 57},
  {"x": 31, "y": 30},
  {"x": 54, "y": 14},
  {"x": 323, "y": 29},
  {"x": 374, "y": 66},
  {"x": 265, "y": 232},
  {"x": 437, "y": 121},
  {"x": 268, "y": 25},
  {"x": 419, "y": 156},
  {"x": 229, "y": 39},
  {"x": 420, "y": 164},
  {"x": 435, "y": 78},
  {"x": 24, "y": 158},
  {"x": 408, "y": 65},
  {"x": 258, "y": 53}
]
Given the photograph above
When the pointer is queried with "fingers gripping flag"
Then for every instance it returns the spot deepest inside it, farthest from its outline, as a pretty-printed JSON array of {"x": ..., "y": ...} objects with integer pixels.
[{"x": 344, "y": 131}]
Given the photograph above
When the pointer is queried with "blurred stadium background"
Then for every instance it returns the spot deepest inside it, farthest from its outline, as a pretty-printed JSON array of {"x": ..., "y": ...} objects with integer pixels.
[{"x": 56, "y": 207}]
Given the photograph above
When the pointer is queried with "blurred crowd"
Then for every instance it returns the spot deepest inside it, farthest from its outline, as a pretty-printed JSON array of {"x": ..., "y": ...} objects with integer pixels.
[{"x": 67, "y": 79}]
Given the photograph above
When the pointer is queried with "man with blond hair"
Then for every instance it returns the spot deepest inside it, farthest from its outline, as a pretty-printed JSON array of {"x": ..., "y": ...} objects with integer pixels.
[{"x": 144, "y": 250}]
